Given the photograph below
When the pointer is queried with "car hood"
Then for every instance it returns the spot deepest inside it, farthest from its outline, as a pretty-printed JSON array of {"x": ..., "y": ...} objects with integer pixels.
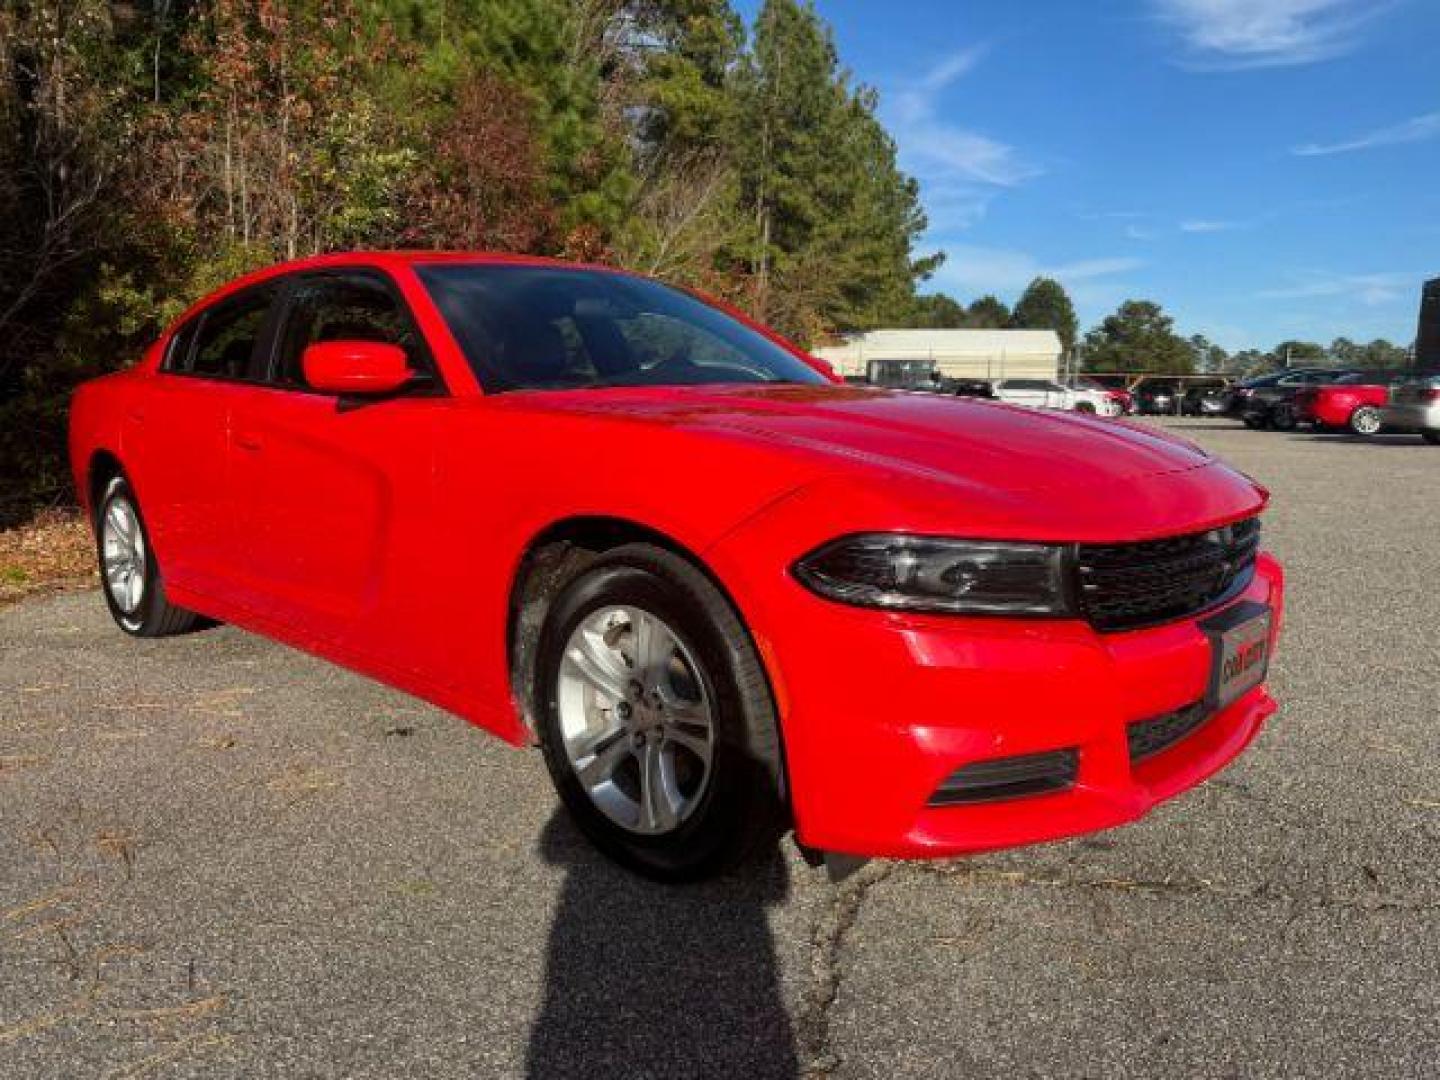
[{"x": 924, "y": 435}]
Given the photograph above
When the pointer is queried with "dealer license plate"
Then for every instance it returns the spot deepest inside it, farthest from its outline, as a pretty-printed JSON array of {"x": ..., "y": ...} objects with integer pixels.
[{"x": 1241, "y": 653}]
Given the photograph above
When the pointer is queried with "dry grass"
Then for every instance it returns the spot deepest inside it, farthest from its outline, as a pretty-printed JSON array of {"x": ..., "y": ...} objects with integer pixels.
[{"x": 54, "y": 548}]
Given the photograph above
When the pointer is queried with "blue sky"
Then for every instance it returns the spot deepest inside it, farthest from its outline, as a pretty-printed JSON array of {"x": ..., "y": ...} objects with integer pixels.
[{"x": 1265, "y": 169}]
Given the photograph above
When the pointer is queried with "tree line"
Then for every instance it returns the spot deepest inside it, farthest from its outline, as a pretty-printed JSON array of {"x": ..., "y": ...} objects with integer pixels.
[
  {"x": 1141, "y": 338},
  {"x": 152, "y": 149}
]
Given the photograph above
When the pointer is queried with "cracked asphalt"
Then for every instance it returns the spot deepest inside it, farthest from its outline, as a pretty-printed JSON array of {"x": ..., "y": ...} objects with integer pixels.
[{"x": 223, "y": 858}]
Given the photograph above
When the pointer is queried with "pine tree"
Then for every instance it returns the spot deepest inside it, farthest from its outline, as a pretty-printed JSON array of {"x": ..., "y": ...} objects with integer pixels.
[
  {"x": 1046, "y": 306},
  {"x": 1138, "y": 337}
]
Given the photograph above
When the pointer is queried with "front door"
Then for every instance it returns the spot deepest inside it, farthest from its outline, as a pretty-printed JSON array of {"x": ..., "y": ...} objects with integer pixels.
[{"x": 334, "y": 496}]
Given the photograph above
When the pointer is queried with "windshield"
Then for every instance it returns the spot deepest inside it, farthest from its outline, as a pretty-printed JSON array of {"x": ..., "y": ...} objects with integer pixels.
[{"x": 553, "y": 328}]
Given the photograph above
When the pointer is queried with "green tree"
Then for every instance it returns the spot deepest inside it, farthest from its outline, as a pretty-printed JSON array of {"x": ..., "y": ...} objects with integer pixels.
[
  {"x": 1139, "y": 337},
  {"x": 834, "y": 219},
  {"x": 1046, "y": 306},
  {"x": 1382, "y": 354},
  {"x": 1209, "y": 357},
  {"x": 937, "y": 311},
  {"x": 1299, "y": 354},
  {"x": 987, "y": 313}
]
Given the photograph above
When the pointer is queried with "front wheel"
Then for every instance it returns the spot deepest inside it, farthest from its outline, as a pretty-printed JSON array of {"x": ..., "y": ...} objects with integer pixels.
[
  {"x": 134, "y": 591},
  {"x": 657, "y": 723},
  {"x": 1283, "y": 418},
  {"x": 1432, "y": 437},
  {"x": 1365, "y": 420}
]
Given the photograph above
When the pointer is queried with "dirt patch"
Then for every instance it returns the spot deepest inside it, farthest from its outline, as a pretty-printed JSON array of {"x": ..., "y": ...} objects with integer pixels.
[{"x": 52, "y": 550}]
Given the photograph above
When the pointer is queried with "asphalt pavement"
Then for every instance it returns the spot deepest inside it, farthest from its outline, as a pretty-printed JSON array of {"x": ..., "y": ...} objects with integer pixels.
[{"x": 220, "y": 857}]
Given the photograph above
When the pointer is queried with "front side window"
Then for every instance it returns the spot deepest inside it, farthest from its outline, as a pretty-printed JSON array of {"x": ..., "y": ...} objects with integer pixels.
[
  {"x": 226, "y": 336},
  {"x": 542, "y": 327},
  {"x": 355, "y": 306}
]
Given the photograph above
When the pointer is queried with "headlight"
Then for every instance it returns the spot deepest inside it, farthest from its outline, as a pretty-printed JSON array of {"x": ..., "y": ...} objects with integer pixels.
[{"x": 924, "y": 573}]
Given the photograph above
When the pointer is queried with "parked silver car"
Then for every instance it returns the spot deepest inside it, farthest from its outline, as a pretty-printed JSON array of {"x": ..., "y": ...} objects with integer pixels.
[{"x": 1415, "y": 406}]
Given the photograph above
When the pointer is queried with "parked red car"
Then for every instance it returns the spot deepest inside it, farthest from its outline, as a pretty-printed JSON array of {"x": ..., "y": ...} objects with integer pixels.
[
  {"x": 1354, "y": 402},
  {"x": 723, "y": 593}
]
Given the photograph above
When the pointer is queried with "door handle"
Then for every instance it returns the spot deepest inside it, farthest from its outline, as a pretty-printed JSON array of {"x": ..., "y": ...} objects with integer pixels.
[{"x": 248, "y": 442}]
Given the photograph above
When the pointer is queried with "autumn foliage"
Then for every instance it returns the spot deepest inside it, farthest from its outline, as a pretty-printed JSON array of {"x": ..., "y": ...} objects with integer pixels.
[{"x": 150, "y": 152}]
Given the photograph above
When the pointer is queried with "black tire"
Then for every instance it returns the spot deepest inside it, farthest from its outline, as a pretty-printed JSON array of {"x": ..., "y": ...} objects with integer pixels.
[
  {"x": 1253, "y": 421},
  {"x": 1365, "y": 421},
  {"x": 1085, "y": 407},
  {"x": 1432, "y": 437},
  {"x": 154, "y": 615},
  {"x": 741, "y": 808},
  {"x": 1282, "y": 418}
]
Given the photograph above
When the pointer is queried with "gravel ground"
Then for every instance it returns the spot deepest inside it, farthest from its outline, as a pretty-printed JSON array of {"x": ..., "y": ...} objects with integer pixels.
[{"x": 219, "y": 857}]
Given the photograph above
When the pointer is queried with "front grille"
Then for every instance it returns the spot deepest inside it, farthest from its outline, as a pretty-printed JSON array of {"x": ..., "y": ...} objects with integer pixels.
[
  {"x": 1148, "y": 737},
  {"x": 1125, "y": 586}
]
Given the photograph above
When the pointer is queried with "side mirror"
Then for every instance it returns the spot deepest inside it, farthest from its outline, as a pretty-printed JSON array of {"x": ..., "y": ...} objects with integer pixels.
[{"x": 356, "y": 367}]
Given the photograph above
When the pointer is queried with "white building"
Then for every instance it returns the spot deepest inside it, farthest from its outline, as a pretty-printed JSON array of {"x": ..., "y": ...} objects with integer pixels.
[{"x": 955, "y": 354}]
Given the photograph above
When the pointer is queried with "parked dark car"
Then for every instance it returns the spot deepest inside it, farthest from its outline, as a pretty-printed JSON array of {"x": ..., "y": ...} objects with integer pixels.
[
  {"x": 1236, "y": 397},
  {"x": 1206, "y": 399},
  {"x": 976, "y": 388},
  {"x": 922, "y": 374},
  {"x": 1156, "y": 398},
  {"x": 1273, "y": 404}
]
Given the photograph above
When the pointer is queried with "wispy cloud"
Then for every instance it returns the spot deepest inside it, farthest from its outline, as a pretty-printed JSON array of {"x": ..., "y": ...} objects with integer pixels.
[
  {"x": 1203, "y": 225},
  {"x": 1233, "y": 34},
  {"x": 939, "y": 151},
  {"x": 1417, "y": 129},
  {"x": 1368, "y": 290},
  {"x": 971, "y": 270}
]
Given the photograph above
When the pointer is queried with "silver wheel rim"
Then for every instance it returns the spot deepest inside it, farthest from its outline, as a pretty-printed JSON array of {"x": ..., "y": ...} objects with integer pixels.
[
  {"x": 636, "y": 719},
  {"x": 1367, "y": 422},
  {"x": 123, "y": 546}
]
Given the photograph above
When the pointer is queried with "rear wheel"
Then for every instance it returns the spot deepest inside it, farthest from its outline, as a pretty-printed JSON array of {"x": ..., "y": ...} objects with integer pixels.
[
  {"x": 1432, "y": 437},
  {"x": 657, "y": 722},
  {"x": 134, "y": 591},
  {"x": 1365, "y": 420},
  {"x": 1283, "y": 418}
]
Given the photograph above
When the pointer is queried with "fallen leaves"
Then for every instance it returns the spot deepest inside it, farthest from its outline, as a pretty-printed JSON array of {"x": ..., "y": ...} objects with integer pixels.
[{"x": 55, "y": 547}]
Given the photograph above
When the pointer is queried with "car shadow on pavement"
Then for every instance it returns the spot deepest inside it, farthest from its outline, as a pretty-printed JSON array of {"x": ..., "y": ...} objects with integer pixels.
[{"x": 647, "y": 980}]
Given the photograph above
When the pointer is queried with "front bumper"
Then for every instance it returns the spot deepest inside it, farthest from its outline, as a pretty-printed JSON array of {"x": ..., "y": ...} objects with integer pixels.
[
  {"x": 1412, "y": 416},
  {"x": 878, "y": 709}
]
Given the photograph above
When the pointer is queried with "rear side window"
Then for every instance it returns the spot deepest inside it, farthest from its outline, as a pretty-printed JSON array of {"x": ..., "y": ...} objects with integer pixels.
[
  {"x": 224, "y": 336},
  {"x": 228, "y": 335},
  {"x": 344, "y": 307}
]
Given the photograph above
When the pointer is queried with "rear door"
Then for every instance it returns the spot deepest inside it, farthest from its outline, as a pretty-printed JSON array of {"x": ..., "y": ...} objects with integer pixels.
[
  {"x": 179, "y": 436},
  {"x": 334, "y": 495}
]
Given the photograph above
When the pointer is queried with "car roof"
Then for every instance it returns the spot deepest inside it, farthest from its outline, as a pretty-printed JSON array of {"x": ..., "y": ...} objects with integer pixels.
[{"x": 384, "y": 259}]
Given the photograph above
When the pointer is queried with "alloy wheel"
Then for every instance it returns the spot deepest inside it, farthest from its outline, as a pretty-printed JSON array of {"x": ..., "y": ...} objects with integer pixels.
[
  {"x": 1366, "y": 421},
  {"x": 123, "y": 548},
  {"x": 636, "y": 719}
]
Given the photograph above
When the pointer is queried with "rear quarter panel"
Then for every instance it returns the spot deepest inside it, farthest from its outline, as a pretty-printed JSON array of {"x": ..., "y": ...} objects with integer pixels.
[{"x": 97, "y": 409}]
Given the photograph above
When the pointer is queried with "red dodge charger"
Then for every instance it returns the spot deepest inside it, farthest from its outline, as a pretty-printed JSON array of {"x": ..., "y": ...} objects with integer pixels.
[{"x": 723, "y": 593}]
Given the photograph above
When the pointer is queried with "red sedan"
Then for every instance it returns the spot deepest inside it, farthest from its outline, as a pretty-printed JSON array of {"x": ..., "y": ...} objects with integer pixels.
[
  {"x": 724, "y": 594},
  {"x": 1354, "y": 401}
]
